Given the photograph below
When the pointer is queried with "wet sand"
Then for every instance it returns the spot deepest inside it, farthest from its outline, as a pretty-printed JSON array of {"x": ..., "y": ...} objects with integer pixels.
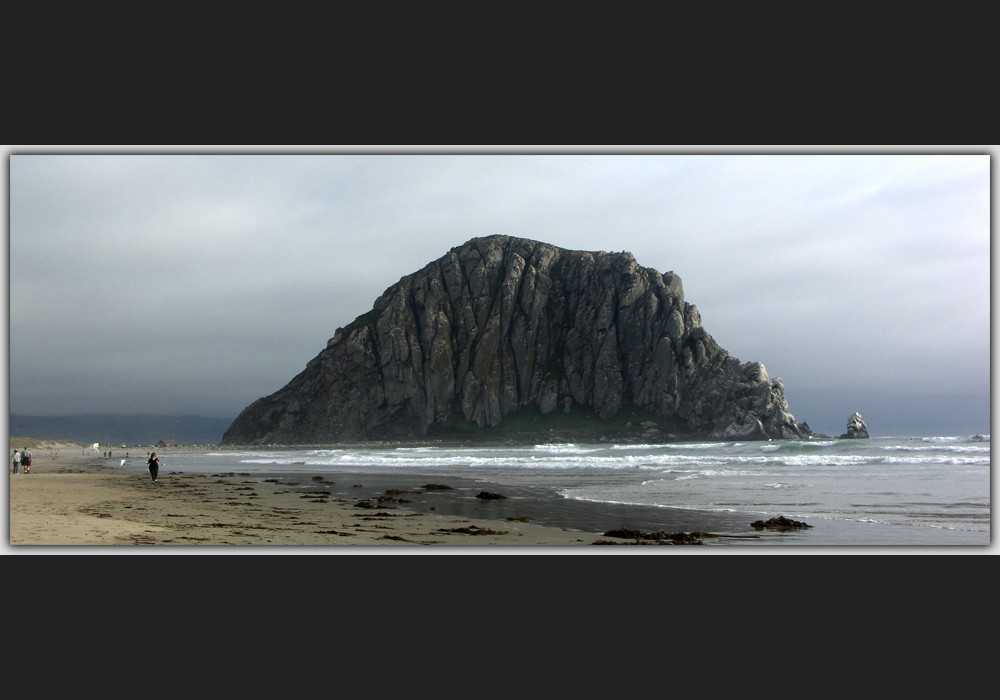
[{"x": 71, "y": 499}]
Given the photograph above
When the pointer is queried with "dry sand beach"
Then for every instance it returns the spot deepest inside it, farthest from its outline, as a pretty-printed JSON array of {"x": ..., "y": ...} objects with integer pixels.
[{"x": 70, "y": 498}]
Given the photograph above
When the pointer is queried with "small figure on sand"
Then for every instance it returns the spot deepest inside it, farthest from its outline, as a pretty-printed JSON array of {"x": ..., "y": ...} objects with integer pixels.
[
  {"x": 26, "y": 460},
  {"x": 16, "y": 460},
  {"x": 154, "y": 466}
]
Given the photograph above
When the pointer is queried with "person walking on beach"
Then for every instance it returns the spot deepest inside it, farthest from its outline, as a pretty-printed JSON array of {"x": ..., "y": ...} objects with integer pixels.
[
  {"x": 154, "y": 466},
  {"x": 16, "y": 459},
  {"x": 26, "y": 460}
]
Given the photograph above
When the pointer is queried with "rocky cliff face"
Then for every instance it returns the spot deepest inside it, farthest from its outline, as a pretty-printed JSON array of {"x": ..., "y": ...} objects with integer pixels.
[{"x": 507, "y": 328}]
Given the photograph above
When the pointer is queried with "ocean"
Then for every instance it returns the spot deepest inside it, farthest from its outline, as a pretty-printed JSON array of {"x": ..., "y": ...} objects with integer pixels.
[{"x": 896, "y": 491}]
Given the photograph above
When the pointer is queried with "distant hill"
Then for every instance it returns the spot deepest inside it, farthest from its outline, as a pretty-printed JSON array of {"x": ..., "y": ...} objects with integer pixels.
[{"x": 111, "y": 429}]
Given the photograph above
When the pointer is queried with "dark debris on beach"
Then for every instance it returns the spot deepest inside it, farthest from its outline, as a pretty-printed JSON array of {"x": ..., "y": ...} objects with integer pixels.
[
  {"x": 660, "y": 537},
  {"x": 473, "y": 530}
]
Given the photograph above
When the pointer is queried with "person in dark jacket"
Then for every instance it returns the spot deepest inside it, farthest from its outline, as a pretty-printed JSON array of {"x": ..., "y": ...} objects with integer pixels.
[{"x": 154, "y": 466}]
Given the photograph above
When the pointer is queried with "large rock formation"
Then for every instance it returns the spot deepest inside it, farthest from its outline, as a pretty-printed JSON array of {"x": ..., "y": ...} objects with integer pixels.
[
  {"x": 856, "y": 428},
  {"x": 503, "y": 335}
]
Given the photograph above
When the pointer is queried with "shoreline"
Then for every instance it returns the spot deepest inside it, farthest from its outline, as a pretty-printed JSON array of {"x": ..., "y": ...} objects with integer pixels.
[
  {"x": 77, "y": 497},
  {"x": 73, "y": 499}
]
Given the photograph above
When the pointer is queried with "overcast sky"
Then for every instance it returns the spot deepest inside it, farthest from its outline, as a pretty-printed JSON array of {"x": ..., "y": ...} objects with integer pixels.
[{"x": 165, "y": 283}]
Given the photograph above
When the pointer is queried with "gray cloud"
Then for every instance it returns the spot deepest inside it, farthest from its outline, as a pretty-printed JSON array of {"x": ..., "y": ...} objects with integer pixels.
[{"x": 197, "y": 283}]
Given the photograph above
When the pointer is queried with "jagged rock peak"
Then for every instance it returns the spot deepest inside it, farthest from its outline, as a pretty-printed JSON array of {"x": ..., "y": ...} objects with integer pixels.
[
  {"x": 856, "y": 428},
  {"x": 503, "y": 326}
]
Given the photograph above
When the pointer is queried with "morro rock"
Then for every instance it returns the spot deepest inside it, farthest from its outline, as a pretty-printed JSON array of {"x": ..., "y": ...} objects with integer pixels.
[{"x": 504, "y": 337}]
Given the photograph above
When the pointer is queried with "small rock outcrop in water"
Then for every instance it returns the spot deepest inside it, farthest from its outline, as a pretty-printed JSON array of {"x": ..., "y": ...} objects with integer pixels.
[
  {"x": 779, "y": 523},
  {"x": 503, "y": 335},
  {"x": 856, "y": 428}
]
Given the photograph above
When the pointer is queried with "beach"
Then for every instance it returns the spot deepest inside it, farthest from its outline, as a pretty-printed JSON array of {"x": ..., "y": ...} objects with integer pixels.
[
  {"x": 883, "y": 491},
  {"x": 71, "y": 499}
]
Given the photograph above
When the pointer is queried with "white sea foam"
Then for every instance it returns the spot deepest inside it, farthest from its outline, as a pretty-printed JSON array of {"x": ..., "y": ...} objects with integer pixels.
[
  {"x": 942, "y": 447},
  {"x": 565, "y": 449},
  {"x": 951, "y": 439},
  {"x": 596, "y": 458}
]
